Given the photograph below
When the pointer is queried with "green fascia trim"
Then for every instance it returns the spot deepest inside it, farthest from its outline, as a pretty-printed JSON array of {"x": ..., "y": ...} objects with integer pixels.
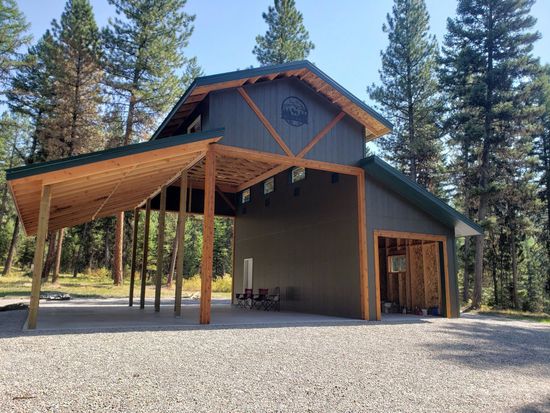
[
  {"x": 88, "y": 158},
  {"x": 266, "y": 70},
  {"x": 415, "y": 194}
]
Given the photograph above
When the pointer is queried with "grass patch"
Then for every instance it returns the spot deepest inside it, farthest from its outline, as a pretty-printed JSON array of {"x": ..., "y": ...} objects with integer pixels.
[
  {"x": 99, "y": 285},
  {"x": 515, "y": 314}
]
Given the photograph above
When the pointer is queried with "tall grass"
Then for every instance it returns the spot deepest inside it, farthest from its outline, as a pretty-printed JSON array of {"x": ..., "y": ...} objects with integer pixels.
[{"x": 219, "y": 284}]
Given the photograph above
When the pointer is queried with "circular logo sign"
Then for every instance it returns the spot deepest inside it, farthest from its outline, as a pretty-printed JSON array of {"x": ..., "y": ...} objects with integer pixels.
[{"x": 294, "y": 111}]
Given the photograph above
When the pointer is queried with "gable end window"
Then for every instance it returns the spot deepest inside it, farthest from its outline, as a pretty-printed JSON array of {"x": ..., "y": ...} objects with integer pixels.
[
  {"x": 245, "y": 196},
  {"x": 195, "y": 126},
  {"x": 297, "y": 174},
  {"x": 269, "y": 185}
]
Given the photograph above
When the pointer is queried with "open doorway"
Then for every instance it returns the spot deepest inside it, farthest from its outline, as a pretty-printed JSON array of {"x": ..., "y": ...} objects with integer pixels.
[{"x": 411, "y": 273}]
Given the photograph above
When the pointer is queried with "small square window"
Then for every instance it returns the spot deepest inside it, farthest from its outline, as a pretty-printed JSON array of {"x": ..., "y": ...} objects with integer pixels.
[
  {"x": 297, "y": 174},
  {"x": 397, "y": 263},
  {"x": 245, "y": 196},
  {"x": 269, "y": 185}
]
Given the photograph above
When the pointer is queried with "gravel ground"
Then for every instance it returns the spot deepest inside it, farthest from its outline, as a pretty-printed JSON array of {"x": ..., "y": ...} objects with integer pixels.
[{"x": 474, "y": 364}]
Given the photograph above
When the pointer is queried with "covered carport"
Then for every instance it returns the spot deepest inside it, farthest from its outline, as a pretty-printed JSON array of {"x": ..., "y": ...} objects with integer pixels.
[{"x": 68, "y": 192}]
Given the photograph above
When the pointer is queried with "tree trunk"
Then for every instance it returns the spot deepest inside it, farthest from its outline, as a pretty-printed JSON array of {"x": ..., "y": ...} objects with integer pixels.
[
  {"x": 466, "y": 275},
  {"x": 3, "y": 199},
  {"x": 49, "y": 258},
  {"x": 515, "y": 301},
  {"x": 58, "y": 250},
  {"x": 119, "y": 232},
  {"x": 173, "y": 257},
  {"x": 119, "y": 242},
  {"x": 495, "y": 282},
  {"x": 76, "y": 262},
  {"x": 13, "y": 245},
  {"x": 484, "y": 165}
]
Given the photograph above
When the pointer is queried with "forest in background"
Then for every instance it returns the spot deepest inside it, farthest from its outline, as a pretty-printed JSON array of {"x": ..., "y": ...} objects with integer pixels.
[{"x": 471, "y": 124}]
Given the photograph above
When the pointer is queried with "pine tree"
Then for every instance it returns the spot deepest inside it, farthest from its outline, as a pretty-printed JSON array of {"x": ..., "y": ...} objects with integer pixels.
[
  {"x": 144, "y": 51},
  {"x": 487, "y": 68},
  {"x": 74, "y": 124},
  {"x": 13, "y": 36},
  {"x": 409, "y": 94},
  {"x": 286, "y": 38},
  {"x": 31, "y": 94}
]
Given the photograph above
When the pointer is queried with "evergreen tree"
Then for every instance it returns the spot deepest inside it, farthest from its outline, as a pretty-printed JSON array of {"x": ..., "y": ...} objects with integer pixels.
[
  {"x": 487, "y": 69},
  {"x": 74, "y": 124},
  {"x": 409, "y": 94},
  {"x": 143, "y": 52},
  {"x": 286, "y": 38},
  {"x": 13, "y": 28},
  {"x": 31, "y": 94}
]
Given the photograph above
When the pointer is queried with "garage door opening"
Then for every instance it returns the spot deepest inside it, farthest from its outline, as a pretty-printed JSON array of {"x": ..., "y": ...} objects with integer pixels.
[{"x": 411, "y": 275}]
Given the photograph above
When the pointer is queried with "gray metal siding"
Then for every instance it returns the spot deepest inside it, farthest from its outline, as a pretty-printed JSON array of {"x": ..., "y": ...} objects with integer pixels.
[
  {"x": 386, "y": 210},
  {"x": 344, "y": 144},
  {"x": 306, "y": 244}
]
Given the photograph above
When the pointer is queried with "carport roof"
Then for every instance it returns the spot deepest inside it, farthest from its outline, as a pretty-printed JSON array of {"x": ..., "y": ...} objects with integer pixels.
[
  {"x": 102, "y": 183},
  {"x": 420, "y": 197}
]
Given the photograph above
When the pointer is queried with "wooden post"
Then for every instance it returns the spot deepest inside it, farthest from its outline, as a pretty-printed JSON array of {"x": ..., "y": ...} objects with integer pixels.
[
  {"x": 233, "y": 259},
  {"x": 160, "y": 248},
  {"x": 145, "y": 253},
  {"x": 181, "y": 242},
  {"x": 208, "y": 236},
  {"x": 363, "y": 259},
  {"x": 43, "y": 218},
  {"x": 134, "y": 258}
]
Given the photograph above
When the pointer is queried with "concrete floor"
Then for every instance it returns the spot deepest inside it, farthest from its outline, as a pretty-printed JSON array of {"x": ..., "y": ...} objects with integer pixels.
[{"x": 99, "y": 314}]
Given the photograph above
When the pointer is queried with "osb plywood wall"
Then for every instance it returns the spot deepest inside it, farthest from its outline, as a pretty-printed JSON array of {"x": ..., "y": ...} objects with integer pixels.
[{"x": 420, "y": 285}]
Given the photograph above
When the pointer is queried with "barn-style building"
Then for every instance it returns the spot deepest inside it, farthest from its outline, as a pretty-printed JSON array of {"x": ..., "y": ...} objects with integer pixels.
[{"x": 281, "y": 150}]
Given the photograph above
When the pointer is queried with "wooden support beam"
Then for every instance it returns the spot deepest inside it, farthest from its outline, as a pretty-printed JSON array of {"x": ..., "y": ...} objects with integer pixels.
[
  {"x": 363, "y": 259},
  {"x": 181, "y": 242},
  {"x": 448, "y": 311},
  {"x": 226, "y": 199},
  {"x": 263, "y": 177},
  {"x": 145, "y": 253},
  {"x": 134, "y": 258},
  {"x": 250, "y": 154},
  {"x": 321, "y": 134},
  {"x": 43, "y": 217},
  {"x": 167, "y": 183},
  {"x": 233, "y": 259},
  {"x": 208, "y": 236},
  {"x": 160, "y": 247},
  {"x": 265, "y": 122}
]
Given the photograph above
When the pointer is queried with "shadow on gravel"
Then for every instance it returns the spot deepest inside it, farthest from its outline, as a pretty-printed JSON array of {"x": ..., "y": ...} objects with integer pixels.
[
  {"x": 489, "y": 345},
  {"x": 535, "y": 407}
]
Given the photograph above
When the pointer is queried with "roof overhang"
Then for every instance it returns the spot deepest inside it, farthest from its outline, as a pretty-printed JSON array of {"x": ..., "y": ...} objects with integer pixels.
[
  {"x": 420, "y": 197},
  {"x": 100, "y": 184},
  {"x": 375, "y": 124}
]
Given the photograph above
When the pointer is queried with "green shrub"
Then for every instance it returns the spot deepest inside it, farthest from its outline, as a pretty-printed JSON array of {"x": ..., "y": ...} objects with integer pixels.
[{"x": 101, "y": 272}]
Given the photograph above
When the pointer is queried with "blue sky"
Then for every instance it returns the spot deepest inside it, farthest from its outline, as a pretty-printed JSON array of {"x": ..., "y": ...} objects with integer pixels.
[{"x": 347, "y": 33}]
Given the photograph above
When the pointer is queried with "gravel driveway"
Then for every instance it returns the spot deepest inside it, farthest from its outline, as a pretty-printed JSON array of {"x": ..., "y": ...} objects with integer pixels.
[{"x": 473, "y": 364}]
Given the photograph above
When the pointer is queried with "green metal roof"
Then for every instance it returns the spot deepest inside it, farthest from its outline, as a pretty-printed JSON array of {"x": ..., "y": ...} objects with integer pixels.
[
  {"x": 50, "y": 166},
  {"x": 266, "y": 70},
  {"x": 418, "y": 196}
]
